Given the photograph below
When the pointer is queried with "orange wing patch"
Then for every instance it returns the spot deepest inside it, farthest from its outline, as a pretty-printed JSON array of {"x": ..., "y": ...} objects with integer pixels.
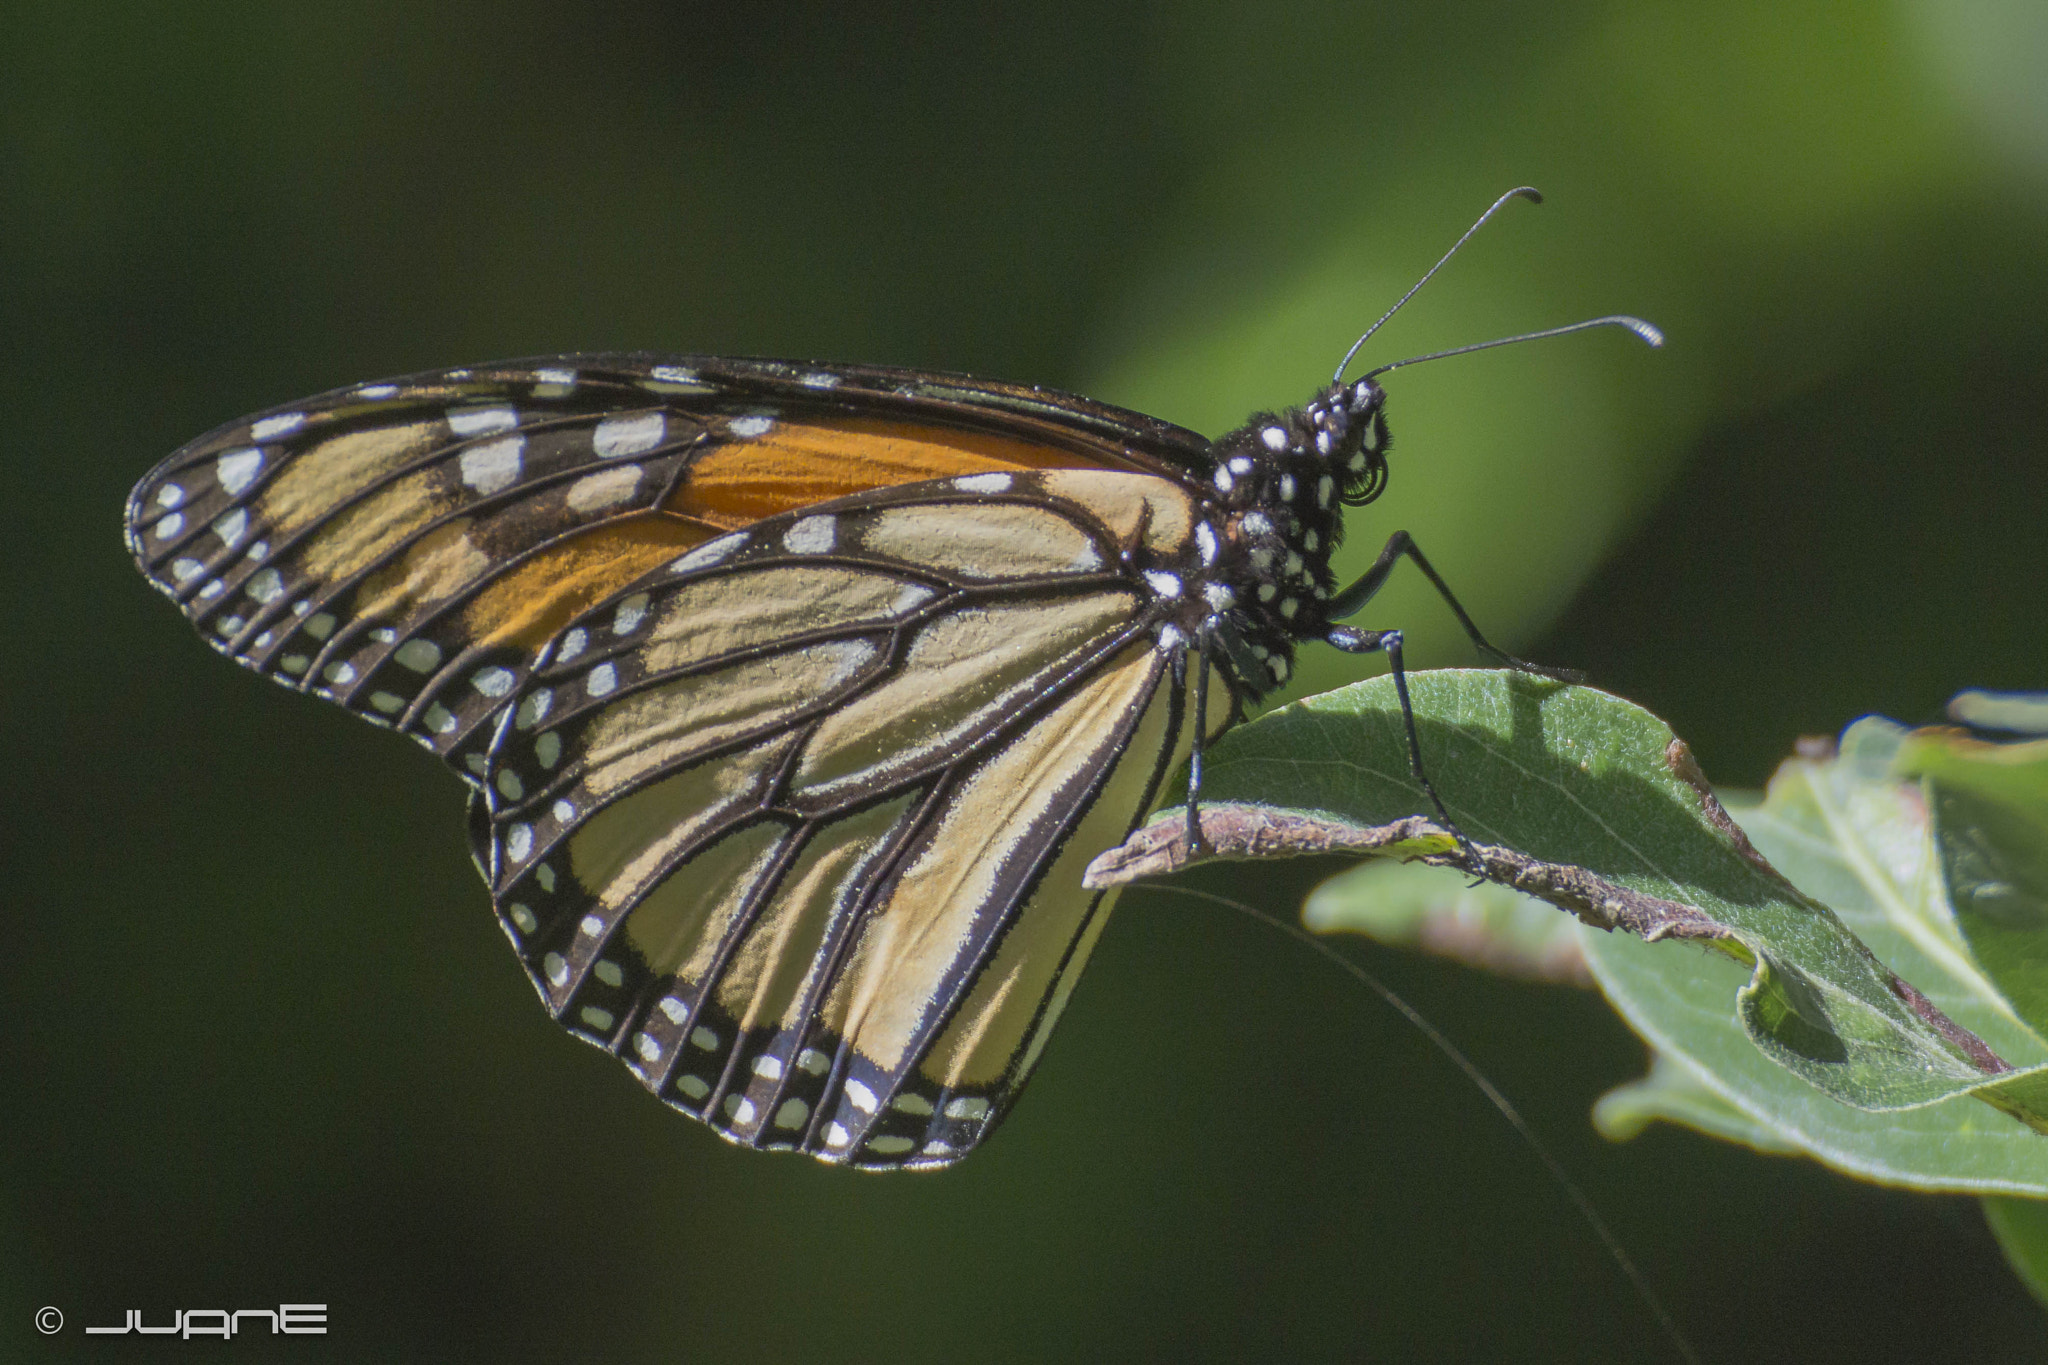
[{"x": 795, "y": 464}]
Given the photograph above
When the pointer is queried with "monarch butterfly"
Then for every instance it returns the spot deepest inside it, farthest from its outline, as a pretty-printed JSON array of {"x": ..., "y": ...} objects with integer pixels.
[{"x": 793, "y": 698}]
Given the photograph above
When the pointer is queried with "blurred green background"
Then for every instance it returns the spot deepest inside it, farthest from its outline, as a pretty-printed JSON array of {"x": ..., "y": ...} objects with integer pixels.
[{"x": 262, "y": 1041}]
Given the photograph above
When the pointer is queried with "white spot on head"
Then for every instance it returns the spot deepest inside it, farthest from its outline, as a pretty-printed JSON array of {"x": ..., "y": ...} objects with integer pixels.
[
  {"x": 767, "y": 1067},
  {"x": 811, "y": 536},
  {"x": 281, "y": 425},
  {"x": 609, "y": 972},
  {"x": 1241, "y": 465},
  {"x": 792, "y": 1113},
  {"x": 493, "y": 681},
  {"x": 709, "y": 553},
  {"x": 696, "y": 1087},
  {"x": 967, "y": 1107},
  {"x": 440, "y": 719},
  {"x": 627, "y": 619},
  {"x": 599, "y": 1019},
  {"x": 1219, "y": 597},
  {"x": 616, "y": 436},
  {"x": 601, "y": 680},
  {"x": 607, "y": 489},
  {"x": 984, "y": 483},
  {"x": 556, "y": 969},
  {"x": 534, "y": 708},
  {"x": 861, "y": 1097},
  {"x": 675, "y": 1007},
  {"x": 231, "y": 526},
  {"x": 170, "y": 495},
  {"x": 169, "y": 525},
  {"x": 522, "y": 917},
  {"x": 265, "y": 585},
  {"x": 518, "y": 839},
  {"x": 1223, "y": 481},
  {"x": 1275, "y": 438},
  {"x": 547, "y": 750},
  {"x": 1163, "y": 583},
  {"x": 813, "y": 1061},
  {"x": 494, "y": 466},
  {"x": 836, "y": 1135},
  {"x": 890, "y": 1145},
  {"x": 752, "y": 425},
  {"x": 237, "y": 469},
  {"x": 390, "y": 703},
  {"x": 704, "y": 1038},
  {"x": 572, "y": 645},
  {"x": 421, "y": 656},
  {"x": 1205, "y": 541},
  {"x": 482, "y": 421},
  {"x": 509, "y": 785}
]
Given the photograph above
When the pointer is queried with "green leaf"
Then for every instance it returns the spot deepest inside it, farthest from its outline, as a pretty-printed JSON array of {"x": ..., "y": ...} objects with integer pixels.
[
  {"x": 1846, "y": 830},
  {"x": 1413, "y": 905},
  {"x": 1582, "y": 780},
  {"x": 1675, "y": 1093},
  {"x": 2021, "y": 1227},
  {"x": 1990, "y": 808}
]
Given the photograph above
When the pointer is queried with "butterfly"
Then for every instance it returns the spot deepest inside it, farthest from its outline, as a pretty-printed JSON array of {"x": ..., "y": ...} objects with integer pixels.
[{"x": 793, "y": 698}]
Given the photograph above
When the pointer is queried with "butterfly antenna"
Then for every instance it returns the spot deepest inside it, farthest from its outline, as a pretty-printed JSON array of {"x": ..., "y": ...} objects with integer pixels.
[
  {"x": 1580, "y": 1201},
  {"x": 1527, "y": 192},
  {"x": 1650, "y": 335}
]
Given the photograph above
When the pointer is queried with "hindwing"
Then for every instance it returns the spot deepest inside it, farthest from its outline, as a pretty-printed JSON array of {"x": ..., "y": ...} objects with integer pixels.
[{"x": 795, "y": 825}]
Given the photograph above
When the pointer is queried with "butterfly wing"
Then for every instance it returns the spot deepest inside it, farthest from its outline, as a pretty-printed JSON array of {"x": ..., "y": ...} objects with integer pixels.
[
  {"x": 796, "y": 825},
  {"x": 406, "y": 548}
]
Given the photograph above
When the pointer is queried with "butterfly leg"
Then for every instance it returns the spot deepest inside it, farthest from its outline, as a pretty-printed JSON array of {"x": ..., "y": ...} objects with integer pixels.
[
  {"x": 1199, "y": 742},
  {"x": 1389, "y": 642},
  {"x": 1401, "y": 543}
]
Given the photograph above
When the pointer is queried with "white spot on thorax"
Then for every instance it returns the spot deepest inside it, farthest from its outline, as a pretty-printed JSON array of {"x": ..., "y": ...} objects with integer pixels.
[
  {"x": 1325, "y": 487},
  {"x": 1219, "y": 597},
  {"x": 1287, "y": 488},
  {"x": 1163, "y": 583},
  {"x": 1205, "y": 541},
  {"x": 1275, "y": 438},
  {"x": 1223, "y": 480}
]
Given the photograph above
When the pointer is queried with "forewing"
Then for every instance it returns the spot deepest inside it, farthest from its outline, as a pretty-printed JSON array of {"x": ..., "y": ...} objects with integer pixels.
[
  {"x": 796, "y": 825},
  {"x": 406, "y": 548}
]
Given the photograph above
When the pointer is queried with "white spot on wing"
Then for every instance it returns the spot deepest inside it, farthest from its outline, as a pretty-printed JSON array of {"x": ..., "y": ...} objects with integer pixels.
[
  {"x": 265, "y": 585},
  {"x": 753, "y": 424},
  {"x": 494, "y": 466},
  {"x": 792, "y": 1113},
  {"x": 170, "y": 495},
  {"x": 704, "y": 1038},
  {"x": 1163, "y": 583},
  {"x": 237, "y": 469},
  {"x": 616, "y": 436},
  {"x": 836, "y": 1135},
  {"x": 1275, "y": 438},
  {"x": 811, "y": 536},
  {"x": 481, "y": 421},
  {"x": 629, "y": 615},
  {"x": 984, "y": 483},
  {"x": 696, "y": 1087},
  {"x": 375, "y": 391},
  {"x": 421, "y": 656},
  {"x": 606, "y": 489},
  {"x": 709, "y": 553},
  {"x": 493, "y": 681},
  {"x": 967, "y": 1107},
  {"x": 602, "y": 680},
  {"x": 572, "y": 645},
  {"x": 599, "y": 1019},
  {"x": 863, "y": 1098},
  {"x": 675, "y": 1007},
  {"x": 281, "y": 425},
  {"x": 768, "y": 1068},
  {"x": 890, "y": 1145},
  {"x": 169, "y": 525},
  {"x": 231, "y": 526}
]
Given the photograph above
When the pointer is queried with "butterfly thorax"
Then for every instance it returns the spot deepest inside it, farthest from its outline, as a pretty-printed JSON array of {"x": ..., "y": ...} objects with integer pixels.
[{"x": 1281, "y": 482}]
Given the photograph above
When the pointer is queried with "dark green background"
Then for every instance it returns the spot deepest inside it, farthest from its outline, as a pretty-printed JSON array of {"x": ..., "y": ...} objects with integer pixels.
[{"x": 261, "y": 1041}]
